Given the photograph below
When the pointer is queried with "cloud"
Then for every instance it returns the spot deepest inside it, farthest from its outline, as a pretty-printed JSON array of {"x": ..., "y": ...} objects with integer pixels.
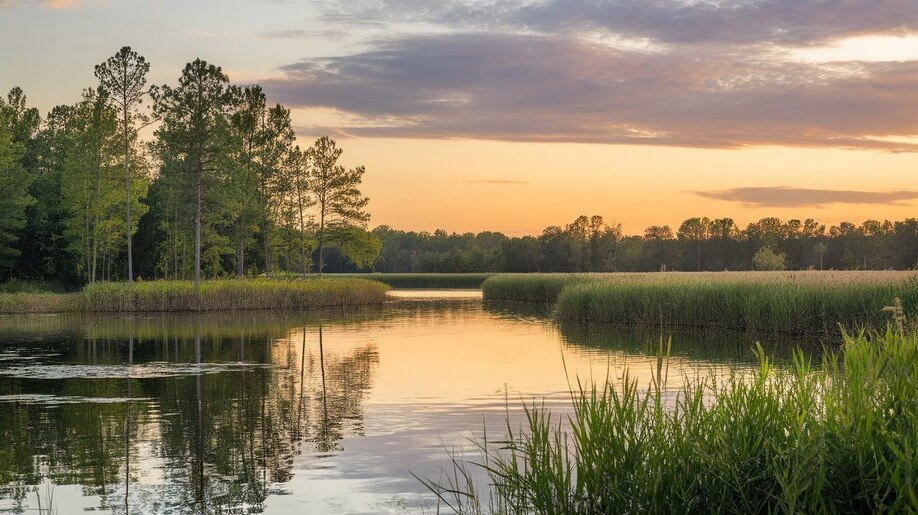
[
  {"x": 781, "y": 196},
  {"x": 51, "y": 4},
  {"x": 789, "y": 22},
  {"x": 529, "y": 87}
]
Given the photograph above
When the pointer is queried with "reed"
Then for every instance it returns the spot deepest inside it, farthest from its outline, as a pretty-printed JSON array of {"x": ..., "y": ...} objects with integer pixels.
[
  {"x": 840, "y": 436},
  {"x": 535, "y": 288},
  {"x": 788, "y": 302},
  {"x": 796, "y": 303},
  {"x": 216, "y": 295},
  {"x": 426, "y": 280}
]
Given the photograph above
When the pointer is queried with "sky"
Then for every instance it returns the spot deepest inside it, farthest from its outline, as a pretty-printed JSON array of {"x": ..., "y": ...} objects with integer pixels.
[{"x": 474, "y": 115}]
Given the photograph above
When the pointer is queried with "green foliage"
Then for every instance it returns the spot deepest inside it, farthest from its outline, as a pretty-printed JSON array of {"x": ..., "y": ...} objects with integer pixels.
[
  {"x": 123, "y": 80},
  {"x": 341, "y": 205},
  {"x": 15, "y": 130},
  {"x": 839, "y": 438},
  {"x": 91, "y": 195},
  {"x": 358, "y": 245},
  {"x": 768, "y": 259},
  {"x": 193, "y": 142}
]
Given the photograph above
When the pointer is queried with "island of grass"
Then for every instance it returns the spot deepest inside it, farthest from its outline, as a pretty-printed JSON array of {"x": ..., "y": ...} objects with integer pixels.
[
  {"x": 214, "y": 295},
  {"x": 786, "y": 302}
]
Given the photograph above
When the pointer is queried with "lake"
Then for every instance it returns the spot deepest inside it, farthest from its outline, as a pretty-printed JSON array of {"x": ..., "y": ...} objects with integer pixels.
[{"x": 292, "y": 413}]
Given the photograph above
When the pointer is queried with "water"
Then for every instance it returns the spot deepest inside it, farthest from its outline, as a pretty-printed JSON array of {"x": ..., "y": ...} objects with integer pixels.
[{"x": 286, "y": 413}]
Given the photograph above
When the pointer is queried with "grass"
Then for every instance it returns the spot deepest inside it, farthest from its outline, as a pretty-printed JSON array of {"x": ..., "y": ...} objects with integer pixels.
[
  {"x": 786, "y": 302},
  {"x": 425, "y": 280},
  {"x": 216, "y": 295},
  {"x": 839, "y": 436},
  {"x": 535, "y": 288},
  {"x": 21, "y": 286}
]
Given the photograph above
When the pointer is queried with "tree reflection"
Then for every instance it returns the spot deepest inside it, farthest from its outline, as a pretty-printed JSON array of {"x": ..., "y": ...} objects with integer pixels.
[{"x": 197, "y": 419}]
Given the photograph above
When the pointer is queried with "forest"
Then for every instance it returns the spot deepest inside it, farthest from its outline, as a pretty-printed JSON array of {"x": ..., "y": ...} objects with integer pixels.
[
  {"x": 590, "y": 244},
  {"x": 220, "y": 189}
]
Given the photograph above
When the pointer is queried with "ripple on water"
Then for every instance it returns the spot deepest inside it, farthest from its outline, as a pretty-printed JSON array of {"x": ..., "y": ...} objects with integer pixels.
[
  {"x": 143, "y": 371},
  {"x": 54, "y": 400}
]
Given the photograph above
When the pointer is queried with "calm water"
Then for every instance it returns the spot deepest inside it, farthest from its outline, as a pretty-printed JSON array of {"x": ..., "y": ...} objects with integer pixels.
[{"x": 282, "y": 413}]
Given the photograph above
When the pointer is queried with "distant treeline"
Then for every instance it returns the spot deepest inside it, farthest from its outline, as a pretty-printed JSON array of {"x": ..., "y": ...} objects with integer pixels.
[
  {"x": 592, "y": 245},
  {"x": 220, "y": 189}
]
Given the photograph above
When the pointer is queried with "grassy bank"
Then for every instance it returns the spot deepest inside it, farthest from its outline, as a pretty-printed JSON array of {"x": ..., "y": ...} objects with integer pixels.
[
  {"x": 837, "y": 437},
  {"x": 217, "y": 295},
  {"x": 424, "y": 281},
  {"x": 793, "y": 302},
  {"x": 537, "y": 288}
]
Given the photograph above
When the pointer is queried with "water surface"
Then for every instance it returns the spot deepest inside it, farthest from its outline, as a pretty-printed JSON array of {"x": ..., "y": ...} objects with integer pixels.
[{"x": 285, "y": 413}]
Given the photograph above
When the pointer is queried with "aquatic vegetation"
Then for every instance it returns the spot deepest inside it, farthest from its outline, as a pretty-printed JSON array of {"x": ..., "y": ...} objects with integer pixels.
[
  {"x": 539, "y": 288},
  {"x": 426, "y": 280},
  {"x": 216, "y": 295},
  {"x": 791, "y": 302},
  {"x": 840, "y": 436}
]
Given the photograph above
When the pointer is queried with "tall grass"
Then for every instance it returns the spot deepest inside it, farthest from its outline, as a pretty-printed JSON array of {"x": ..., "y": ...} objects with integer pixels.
[
  {"x": 789, "y": 303},
  {"x": 793, "y": 302},
  {"x": 840, "y": 436},
  {"x": 535, "y": 288},
  {"x": 426, "y": 280},
  {"x": 217, "y": 295}
]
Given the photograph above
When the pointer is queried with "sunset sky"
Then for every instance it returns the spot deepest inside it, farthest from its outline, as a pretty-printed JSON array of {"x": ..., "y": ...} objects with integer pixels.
[{"x": 514, "y": 115}]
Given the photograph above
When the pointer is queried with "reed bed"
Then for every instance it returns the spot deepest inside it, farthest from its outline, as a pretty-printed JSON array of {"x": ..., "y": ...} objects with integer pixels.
[
  {"x": 534, "y": 288},
  {"x": 465, "y": 281},
  {"x": 836, "y": 437},
  {"x": 216, "y": 295},
  {"x": 36, "y": 303},
  {"x": 786, "y": 302},
  {"x": 796, "y": 303}
]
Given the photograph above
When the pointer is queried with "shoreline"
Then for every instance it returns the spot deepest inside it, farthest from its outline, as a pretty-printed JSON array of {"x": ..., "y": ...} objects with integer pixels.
[{"x": 213, "y": 296}]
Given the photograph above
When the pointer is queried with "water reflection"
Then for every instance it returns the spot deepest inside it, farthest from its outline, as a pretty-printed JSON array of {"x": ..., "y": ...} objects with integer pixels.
[
  {"x": 213, "y": 437},
  {"x": 281, "y": 412}
]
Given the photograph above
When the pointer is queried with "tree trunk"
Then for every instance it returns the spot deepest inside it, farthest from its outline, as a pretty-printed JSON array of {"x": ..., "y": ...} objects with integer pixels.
[
  {"x": 240, "y": 257},
  {"x": 320, "y": 253},
  {"x": 299, "y": 200},
  {"x": 127, "y": 199},
  {"x": 265, "y": 236},
  {"x": 197, "y": 235}
]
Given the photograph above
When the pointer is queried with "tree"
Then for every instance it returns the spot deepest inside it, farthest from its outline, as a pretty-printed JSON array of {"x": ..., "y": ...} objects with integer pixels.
[
  {"x": 301, "y": 200},
  {"x": 767, "y": 259},
  {"x": 194, "y": 133},
  {"x": 123, "y": 79},
  {"x": 339, "y": 202},
  {"x": 248, "y": 125},
  {"x": 89, "y": 187},
  {"x": 661, "y": 236},
  {"x": 695, "y": 230},
  {"x": 820, "y": 250},
  {"x": 276, "y": 150},
  {"x": 17, "y": 124}
]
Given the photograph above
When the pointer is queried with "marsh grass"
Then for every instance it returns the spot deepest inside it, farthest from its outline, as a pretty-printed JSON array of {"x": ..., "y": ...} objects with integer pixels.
[
  {"x": 534, "y": 288},
  {"x": 216, "y": 295},
  {"x": 783, "y": 302},
  {"x": 426, "y": 280},
  {"x": 838, "y": 436}
]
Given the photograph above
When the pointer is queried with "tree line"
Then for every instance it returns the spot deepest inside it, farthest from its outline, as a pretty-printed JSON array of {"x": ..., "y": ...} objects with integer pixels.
[
  {"x": 590, "y": 244},
  {"x": 220, "y": 189}
]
